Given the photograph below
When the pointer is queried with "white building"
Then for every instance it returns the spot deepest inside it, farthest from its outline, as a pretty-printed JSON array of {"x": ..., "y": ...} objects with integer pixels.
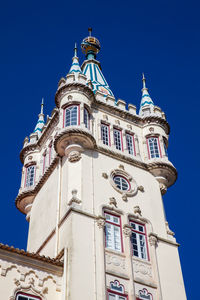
[{"x": 93, "y": 177}]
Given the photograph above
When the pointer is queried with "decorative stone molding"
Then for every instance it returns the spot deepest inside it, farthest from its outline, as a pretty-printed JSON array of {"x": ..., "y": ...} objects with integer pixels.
[
  {"x": 74, "y": 198},
  {"x": 127, "y": 230},
  {"x": 101, "y": 221},
  {"x": 163, "y": 188},
  {"x": 115, "y": 261},
  {"x": 153, "y": 240},
  {"x": 74, "y": 156},
  {"x": 105, "y": 175},
  {"x": 142, "y": 269},
  {"x": 113, "y": 201},
  {"x": 137, "y": 210},
  {"x": 169, "y": 231}
]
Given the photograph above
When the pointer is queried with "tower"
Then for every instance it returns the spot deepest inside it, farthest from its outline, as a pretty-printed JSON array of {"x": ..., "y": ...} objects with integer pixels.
[{"x": 92, "y": 183}]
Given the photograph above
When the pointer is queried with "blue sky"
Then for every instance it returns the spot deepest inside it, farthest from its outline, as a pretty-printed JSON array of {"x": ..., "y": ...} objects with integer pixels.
[{"x": 159, "y": 38}]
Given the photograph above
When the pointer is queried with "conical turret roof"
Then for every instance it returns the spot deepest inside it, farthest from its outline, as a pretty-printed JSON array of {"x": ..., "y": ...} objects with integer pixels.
[
  {"x": 146, "y": 103},
  {"x": 40, "y": 122}
]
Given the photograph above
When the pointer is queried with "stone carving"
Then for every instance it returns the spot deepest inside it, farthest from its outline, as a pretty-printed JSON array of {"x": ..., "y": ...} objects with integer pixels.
[
  {"x": 74, "y": 198},
  {"x": 113, "y": 201},
  {"x": 30, "y": 157},
  {"x": 140, "y": 188},
  {"x": 137, "y": 210},
  {"x": 151, "y": 129},
  {"x": 153, "y": 240},
  {"x": 163, "y": 188},
  {"x": 169, "y": 231},
  {"x": 101, "y": 222},
  {"x": 105, "y": 117},
  {"x": 117, "y": 122},
  {"x": 124, "y": 197},
  {"x": 143, "y": 269},
  {"x": 129, "y": 126},
  {"x": 74, "y": 156},
  {"x": 127, "y": 230},
  {"x": 104, "y": 175},
  {"x": 121, "y": 167},
  {"x": 115, "y": 261}
]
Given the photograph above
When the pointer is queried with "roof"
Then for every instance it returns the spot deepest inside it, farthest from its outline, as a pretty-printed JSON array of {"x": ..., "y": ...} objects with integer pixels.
[{"x": 33, "y": 255}]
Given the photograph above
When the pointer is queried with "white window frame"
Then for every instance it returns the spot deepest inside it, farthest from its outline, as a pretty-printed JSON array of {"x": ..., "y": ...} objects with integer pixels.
[
  {"x": 86, "y": 118},
  {"x": 153, "y": 147},
  {"x": 117, "y": 136},
  {"x": 139, "y": 236},
  {"x": 30, "y": 176},
  {"x": 130, "y": 143},
  {"x": 113, "y": 232},
  {"x": 105, "y": 134},
  {"x": 73, "y": 118},
  {"x": 117, "y": 296}
]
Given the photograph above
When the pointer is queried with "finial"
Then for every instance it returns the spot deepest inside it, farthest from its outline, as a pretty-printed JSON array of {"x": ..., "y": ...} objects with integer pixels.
[
  {"x": 42, "y": 105},
  {"x": 75, "y": 50},
  {"x": 144, "y": 81},
  {"x": 90, "y": 31}
]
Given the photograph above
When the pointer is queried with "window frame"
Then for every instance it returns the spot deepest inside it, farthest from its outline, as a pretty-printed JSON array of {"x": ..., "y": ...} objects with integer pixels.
[
  {"x": 133, "y": 143},
  {"x": 117, "y": 225},
  {"x": 29, "y": 296},
  {"x": 78, "y": 115},
  {"x": 116, "y": 293},
  {"x": 108, "y": 133},
  {"x": 25, "y": 181},
  {"x": 158, "y": 145},
  {"x": 123, "y": 177},
  {"x": 88, "y": 118},
  {"x": 121, "y": 140},
  {"x": 141, "y": 233}
]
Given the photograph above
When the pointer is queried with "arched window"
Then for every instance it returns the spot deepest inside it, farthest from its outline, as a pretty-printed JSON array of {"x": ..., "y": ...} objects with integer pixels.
[
  {"x": 30, "y": 176},
  {"x": 24, "y": 296},
  {"x": 121, "y": 183},
  {"x": 86, "y": 118},
  {"x": 71, "y": 115}
]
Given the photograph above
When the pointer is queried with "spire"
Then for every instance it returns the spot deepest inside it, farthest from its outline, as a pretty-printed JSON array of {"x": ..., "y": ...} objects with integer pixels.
[
  {"x": 40, "y": 122},
  {"x": 91, "y": 67},
  {"x": 75, "y": 67},
  {"x": 146, "y": 105}
]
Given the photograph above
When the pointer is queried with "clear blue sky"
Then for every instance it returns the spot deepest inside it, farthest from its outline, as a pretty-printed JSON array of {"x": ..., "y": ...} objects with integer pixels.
[{"x": 159, "y": 38}]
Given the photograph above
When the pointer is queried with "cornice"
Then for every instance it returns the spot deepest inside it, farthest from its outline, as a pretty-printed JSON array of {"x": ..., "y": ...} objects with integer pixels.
[
  {"x": 70, "y": 87},
  {"x": 33, "y": 191},
  {"x": 28, "y": 148},
  {"x": 126, "y": 115},
  {"x": 163, "y": 165}
]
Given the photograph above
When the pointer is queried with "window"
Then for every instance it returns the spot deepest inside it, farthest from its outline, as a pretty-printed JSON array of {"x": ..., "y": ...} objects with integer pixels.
[
  {"x": 50, "y": 153},
  {"x": 165, "y": 146},
  {"x": 86, "y": 118},
  {"x": 138, "y": 240},
  {"x": 105, "y": 134},
  {"x": 121, "y": 183},
  {"x": 113, "y": 232},
  {"x": 44, "y": 162},
  {"x": 153, "y": 147},
  {"x": 117, "y": 139},
  {"x": 24, "y": 296},
  {"x": 71, "y": 115},
  {"x": 116, "y": 291},
  {"x": 130, "y": 144},
  {"x": 30, "y": 176}
]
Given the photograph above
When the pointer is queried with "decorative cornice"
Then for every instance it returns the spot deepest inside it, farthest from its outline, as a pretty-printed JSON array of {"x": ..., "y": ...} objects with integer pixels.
[
  {"x": 33, "y": 191},
  {"x": 70, "y": 87},
  {"x": 28, "y": 148},
  {"x": 124, "y": 114}
]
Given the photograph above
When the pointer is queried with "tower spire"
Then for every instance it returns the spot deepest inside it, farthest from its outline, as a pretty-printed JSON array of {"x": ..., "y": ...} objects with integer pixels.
[
  {"x": 75, "y": 67},
  {"x": 40, "y": 122},
  {"x": 146, "y": 104}
]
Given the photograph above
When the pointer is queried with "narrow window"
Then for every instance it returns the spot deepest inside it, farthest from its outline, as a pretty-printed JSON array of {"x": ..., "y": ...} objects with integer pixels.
[
  {"x": 24, "y": 296},
  {"x": 153, "y": 147},
  {"x": 116, "y": 296},
  {"x": 105, "y": 134},
  {"x": 165, "y": 146},
  {"x": 130, "y": 144},
  {"x": 113, "y": 232},
  {"x": 30, "y": 176},
  {"x": 117, "y": 139},
  {"x": 71, "y": 115},
  {"x": 86, "y": 118},
  {"x": 44, "y": 162},
  {"x": 139, "y": 240},
  {"x": 50, "y": 153}
]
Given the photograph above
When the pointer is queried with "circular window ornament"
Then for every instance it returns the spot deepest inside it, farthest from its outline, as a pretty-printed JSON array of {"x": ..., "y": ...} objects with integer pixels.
[{"x": 123, "y": 182}]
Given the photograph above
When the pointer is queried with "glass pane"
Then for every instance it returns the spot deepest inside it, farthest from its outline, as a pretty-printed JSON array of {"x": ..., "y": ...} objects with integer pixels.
[{"x": 111, "y": 297}]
